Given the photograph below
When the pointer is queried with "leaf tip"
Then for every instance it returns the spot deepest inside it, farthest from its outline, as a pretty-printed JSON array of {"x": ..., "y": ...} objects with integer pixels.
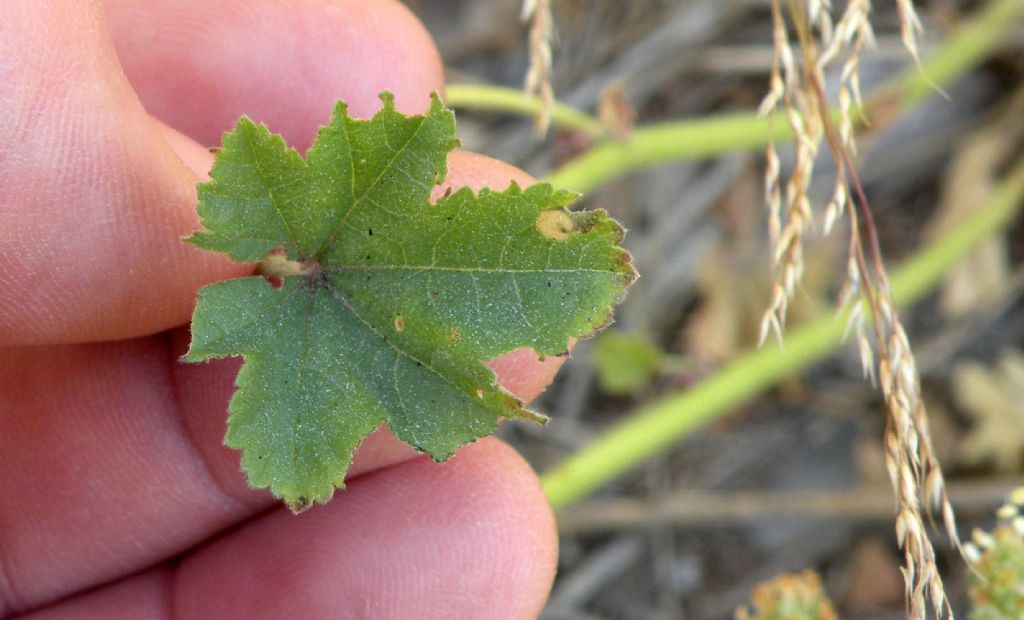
[
  {"x": 340, "y": 111},
  {"x": 298, "y": 505},
  {"x": 299, "y": 501},
  {"x": 627, "y": 269},
  {"x": 194, "y": 239},
  {"x": 388, "y": 99},
  {"x": 244, "y": 122}
]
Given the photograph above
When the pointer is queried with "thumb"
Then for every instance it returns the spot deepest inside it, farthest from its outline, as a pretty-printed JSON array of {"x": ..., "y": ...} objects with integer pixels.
[{"x": 93, "y": 200}]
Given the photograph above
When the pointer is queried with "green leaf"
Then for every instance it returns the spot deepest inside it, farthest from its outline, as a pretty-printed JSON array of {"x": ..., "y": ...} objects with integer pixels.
[
  {"x": 386, "y": 305},
  {"x": 625, "y": 363}
]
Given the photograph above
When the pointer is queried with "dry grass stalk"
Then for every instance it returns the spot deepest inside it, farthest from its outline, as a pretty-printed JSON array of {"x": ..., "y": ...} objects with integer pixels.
[
  {"x": 789, "y": 86},
  {"x": 910, "y": 28},
  {"x": 798, "y": 85},
  {"x": 538, "y": 76}
]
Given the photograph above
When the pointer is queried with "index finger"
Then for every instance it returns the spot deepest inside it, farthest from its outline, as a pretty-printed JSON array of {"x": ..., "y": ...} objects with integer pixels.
[
  {"x": 199, "y": 65},
  {"x": 95, "y": 199}
]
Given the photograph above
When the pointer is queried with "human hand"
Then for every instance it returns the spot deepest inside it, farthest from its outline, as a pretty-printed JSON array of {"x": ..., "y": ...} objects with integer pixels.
[{"x": 117, "y": 497}]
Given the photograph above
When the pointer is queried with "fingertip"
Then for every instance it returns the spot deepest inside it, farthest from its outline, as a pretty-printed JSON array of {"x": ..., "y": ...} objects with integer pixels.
[
  {"x": 468, "y": 169},
  {"x": 528, "y": 548},
  {"x": 471, "y": 538},
  {"x": 199, "y": 65},
  {"x": 196, "y": 158},
  {"x": 91, "y": 231},
  {"x": 401, "y": 57},
  {"x": 141, "y": 596},
  {"x": 523, "y": 373}
]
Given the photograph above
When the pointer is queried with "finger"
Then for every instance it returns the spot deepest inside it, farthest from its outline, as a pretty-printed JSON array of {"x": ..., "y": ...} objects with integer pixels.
[
  {"x": 146, "y": 596},
  {"x": 95, "y": 200},
  {"x": 99, "y": 477},
  {"x": 93, "y": 203},
  {"x": 471, "y": 538},
  {"x": 199, "y": 65},
  {"x": 112, "y": 455}
]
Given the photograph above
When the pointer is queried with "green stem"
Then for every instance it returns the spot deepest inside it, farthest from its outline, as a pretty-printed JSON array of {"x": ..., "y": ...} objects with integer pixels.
[
  {"x": 658, "y": 425},
  {"x": 711, "y": 136},
  {"x": 661, "y": 143},
  {"x": 501, "y": 99}
]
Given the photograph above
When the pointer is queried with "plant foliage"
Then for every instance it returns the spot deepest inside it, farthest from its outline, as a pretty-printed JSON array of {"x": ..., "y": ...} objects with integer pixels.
[{"x": 377, "y": 305}]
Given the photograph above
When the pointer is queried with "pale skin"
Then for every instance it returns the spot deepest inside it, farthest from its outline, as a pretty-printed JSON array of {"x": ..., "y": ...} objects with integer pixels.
[{"x": 117, "y": 497}]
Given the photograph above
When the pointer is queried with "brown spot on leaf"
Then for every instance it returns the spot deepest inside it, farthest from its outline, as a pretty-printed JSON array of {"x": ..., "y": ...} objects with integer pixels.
[
  {"x": 555, "y": 224},
  {"x": 300, "y": 504},
  {"x": 453, "y": 335},
  {"x": 399, "y": 324}
]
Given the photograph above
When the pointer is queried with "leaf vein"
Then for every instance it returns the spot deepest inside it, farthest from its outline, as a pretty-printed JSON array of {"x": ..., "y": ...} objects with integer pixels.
[
  {"x": 297, "y": 418},
  {"x": 358, "y": 199},
  {"x": 259, "y": 317},
  {"x": 429, "y": 268},
  {"x": 355, "y": 313},
  {"x": 270, "y": 192}
]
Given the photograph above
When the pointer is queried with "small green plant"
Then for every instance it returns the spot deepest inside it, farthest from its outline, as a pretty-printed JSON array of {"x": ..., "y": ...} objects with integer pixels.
[
  {"x": 789, "y": 597},
  {"x": 625, "y": 363},
  {"x": 997, "y": 563},
  {"x": 375, "y": 305}
]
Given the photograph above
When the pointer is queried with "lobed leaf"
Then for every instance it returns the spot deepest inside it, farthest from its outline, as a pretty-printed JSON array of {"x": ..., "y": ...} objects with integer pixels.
[{"x": 387, "y": 304}]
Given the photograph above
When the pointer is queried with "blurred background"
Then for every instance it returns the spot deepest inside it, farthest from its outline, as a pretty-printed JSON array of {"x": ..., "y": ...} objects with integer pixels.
[{"x": 794, "y": 478}]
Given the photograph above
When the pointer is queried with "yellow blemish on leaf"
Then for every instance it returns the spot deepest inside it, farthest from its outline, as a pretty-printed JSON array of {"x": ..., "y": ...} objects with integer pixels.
[
  {"x": 453, "y": 335},
  {"x": 555, "y": 224},
  {"x": 277, "y": 265},
  {"x": 399, "y": 324},
  {"x": 479, "y": 393}
]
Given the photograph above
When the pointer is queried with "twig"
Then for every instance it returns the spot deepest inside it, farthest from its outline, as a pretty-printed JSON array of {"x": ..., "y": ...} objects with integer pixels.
[{"x": 723, "y": 509}]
